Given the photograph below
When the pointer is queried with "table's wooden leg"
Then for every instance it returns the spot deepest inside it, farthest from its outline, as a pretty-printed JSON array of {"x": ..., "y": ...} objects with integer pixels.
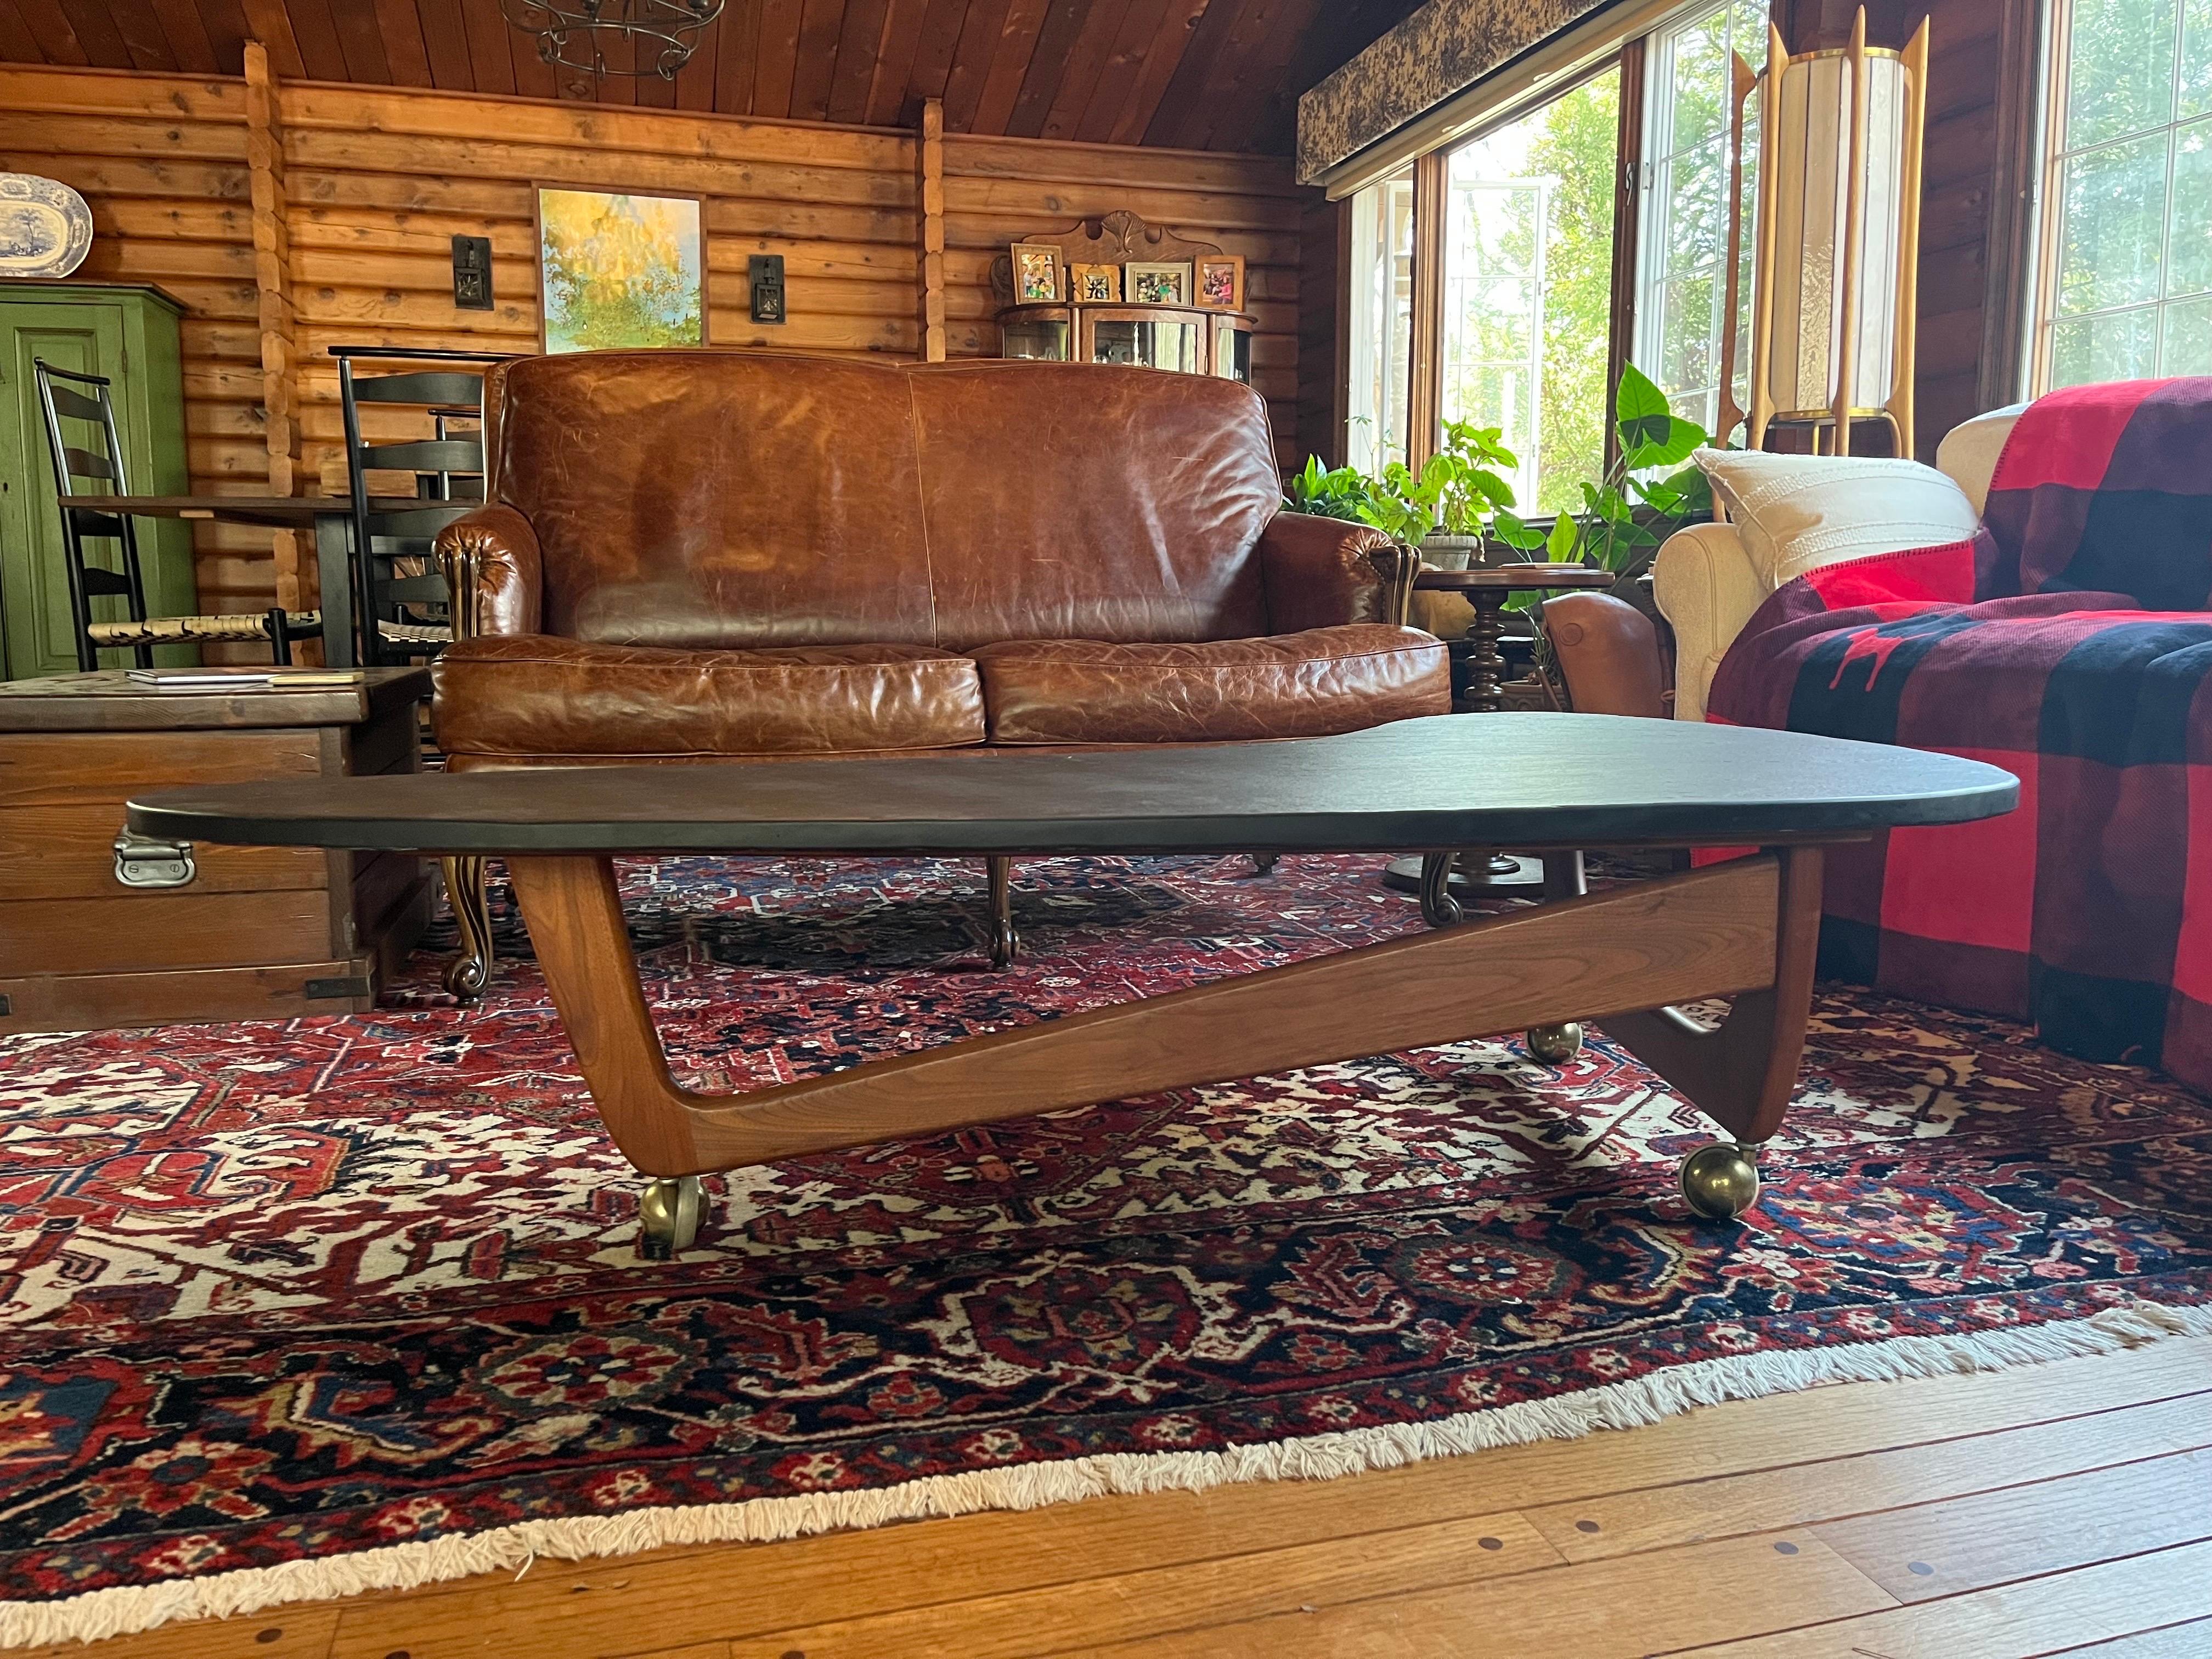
[
  {"x": 1736, "y": 930},
  {"x": 1486, "y": 689},
  {"x": 1742, "y": 1073},
  {"x": 334, "y": 573}
]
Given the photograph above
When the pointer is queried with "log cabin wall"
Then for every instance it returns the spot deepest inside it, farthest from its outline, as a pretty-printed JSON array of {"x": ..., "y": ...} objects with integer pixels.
[
  {"x": 997, "y": 190},
  {"x": 378, "y": 180},
  {"x": 163, "y": 162}
]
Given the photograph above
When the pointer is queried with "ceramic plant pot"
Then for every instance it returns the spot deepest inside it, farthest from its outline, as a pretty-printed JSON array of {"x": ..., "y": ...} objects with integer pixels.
[{"x": 1443, "y": 552}]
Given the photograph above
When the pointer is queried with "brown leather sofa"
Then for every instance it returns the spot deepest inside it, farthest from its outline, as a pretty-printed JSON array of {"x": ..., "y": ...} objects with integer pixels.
[{"x": 703, "y": 556}]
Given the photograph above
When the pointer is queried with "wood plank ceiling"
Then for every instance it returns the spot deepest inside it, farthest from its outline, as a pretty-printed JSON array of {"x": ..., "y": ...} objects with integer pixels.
[{"x": 1192, "y": 74}]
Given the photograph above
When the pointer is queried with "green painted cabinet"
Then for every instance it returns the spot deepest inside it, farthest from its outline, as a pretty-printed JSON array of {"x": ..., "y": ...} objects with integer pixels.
[{"x": 129, "y": 334}]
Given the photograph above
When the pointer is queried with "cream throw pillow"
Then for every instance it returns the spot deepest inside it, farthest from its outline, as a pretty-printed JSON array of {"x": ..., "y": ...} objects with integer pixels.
[{"x": 1800, "y": 513}]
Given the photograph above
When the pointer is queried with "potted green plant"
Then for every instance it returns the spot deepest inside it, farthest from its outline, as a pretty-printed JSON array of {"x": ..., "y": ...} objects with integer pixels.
[
  {"x": 1443, "y": 510},
  {"x": 1645, "y": 495},
  {"x": 1342, "y": 492},
  {"x": 1463, "y": 490}
]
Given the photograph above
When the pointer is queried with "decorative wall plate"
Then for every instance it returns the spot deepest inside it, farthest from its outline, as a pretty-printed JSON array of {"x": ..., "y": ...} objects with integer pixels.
[{"x": 45, "y": 228}]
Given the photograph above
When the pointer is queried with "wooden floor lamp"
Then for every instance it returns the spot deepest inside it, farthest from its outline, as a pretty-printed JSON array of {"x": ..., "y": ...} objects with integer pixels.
[{"x": 1838, "y": 241}]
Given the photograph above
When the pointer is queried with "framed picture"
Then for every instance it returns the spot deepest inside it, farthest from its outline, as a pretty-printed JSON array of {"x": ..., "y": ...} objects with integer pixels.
[
  {"x": 1097, "y": 285},
  {"x": 618, "y": 269},
  {"x": 1158, "y": 285},
  {"x": 1221, "y": 281},
  {"x": 1037, "y": 273}
]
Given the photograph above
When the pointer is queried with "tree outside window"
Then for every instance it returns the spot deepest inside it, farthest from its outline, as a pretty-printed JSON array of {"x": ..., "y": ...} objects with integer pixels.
[
  {"x": 2127, "y": 254},
  {"x": 1527, "y": 289},
  {"x": 1682, "y": 298}
]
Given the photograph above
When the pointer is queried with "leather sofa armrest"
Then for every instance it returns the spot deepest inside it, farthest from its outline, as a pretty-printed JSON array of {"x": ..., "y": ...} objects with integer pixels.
[
  {"x": 1707, "y": 588},
  {"x": 1319, "y": 573},
  {"x": 491, "y": 563},
  {"x": 1608, "y": 654}
]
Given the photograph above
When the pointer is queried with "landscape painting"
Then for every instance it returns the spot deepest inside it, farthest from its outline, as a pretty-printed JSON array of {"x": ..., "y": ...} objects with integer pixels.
[{"x": 620, "y": 269}]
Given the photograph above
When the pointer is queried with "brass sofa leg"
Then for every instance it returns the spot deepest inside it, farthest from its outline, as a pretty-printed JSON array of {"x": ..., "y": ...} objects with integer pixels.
[
  {"x": 1004, "y": 942},
  {"x": 469, "y": 971}
]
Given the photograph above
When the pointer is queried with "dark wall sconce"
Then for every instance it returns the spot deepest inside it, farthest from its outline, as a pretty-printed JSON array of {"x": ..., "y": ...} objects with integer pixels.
[
  {"x": 472, "y": 273},
  {"x": 766, "y": 270}
]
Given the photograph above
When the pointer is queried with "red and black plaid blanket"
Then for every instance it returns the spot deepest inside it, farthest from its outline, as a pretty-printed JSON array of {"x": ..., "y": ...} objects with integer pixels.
[{"x": 2069, "y": 643}]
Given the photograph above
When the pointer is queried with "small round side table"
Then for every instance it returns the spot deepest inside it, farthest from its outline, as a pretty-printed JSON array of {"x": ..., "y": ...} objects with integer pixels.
[
  {"x": 1443, "y": 879},
  {"x": 1487, "y": 592}
]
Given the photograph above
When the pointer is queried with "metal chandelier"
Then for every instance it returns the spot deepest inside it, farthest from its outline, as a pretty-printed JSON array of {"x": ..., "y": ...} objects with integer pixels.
[{"x": 575, "y": 34}]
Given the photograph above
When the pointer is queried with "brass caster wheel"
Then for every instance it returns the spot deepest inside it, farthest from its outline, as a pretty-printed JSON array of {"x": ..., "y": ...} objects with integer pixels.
[
  {"x": 1555, "y": 1045},
  {"x": 1721, "y": 1181},
  {"x": 668, "y": 1217}
]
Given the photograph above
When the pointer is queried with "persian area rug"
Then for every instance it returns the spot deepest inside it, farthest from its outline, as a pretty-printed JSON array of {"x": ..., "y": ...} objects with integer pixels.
[{"x": 289, "y": 1310}]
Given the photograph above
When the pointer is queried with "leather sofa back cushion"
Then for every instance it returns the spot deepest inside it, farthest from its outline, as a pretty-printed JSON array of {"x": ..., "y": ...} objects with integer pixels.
[{"x": 726, "y": 500}]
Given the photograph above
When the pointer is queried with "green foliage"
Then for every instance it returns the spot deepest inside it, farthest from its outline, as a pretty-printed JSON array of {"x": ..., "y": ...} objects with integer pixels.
[
  {"x": 1634, "y": 505},
  {"x": 1341, "y": 492},
  {"x": 1456, "y": 492},
  {"x": 1579, "y": 148},
  {"x": 1401, "y": 506}
]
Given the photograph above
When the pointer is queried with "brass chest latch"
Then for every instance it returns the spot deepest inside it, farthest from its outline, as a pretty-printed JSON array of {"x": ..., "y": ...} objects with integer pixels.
[{"x": 142, "y": 861}]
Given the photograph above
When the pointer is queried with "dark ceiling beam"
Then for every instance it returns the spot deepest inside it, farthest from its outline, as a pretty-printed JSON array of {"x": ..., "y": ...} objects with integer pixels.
[
  {"x": 1062, "y": 23},
  {"x": 1199, "y": 74},
  {"x": 860, "y": 42},
  {"x": 1009, "y": 66},
  {"x": 821, "y": 26}
]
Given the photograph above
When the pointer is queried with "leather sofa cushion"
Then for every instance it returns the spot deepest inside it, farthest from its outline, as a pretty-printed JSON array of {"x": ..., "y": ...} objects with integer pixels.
[
  {"x": 533, "y": 694},
  {"x": 1292, "y": 685},
  {"x": 715, "y": 499}
]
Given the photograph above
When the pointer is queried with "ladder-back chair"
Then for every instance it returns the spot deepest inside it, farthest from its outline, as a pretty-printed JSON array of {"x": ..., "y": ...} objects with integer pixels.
[
  {"x": 402, "y": 596},
  {"x": 87, "y": 400}
]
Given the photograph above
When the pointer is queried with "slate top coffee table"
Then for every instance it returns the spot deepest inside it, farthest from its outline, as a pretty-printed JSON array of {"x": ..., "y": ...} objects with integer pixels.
[{"x": 1745, "y": 929}]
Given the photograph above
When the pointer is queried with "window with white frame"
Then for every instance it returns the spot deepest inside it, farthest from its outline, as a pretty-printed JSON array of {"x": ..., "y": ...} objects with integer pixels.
[
  {"x": 1689, "y": 105},
  {"x": 1382, "y": 313},
  {"x": 2125, "y": 276}
]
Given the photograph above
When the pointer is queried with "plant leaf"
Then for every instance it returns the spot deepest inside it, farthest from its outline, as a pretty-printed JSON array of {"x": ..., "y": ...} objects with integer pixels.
[
  {"x": 1559, "y": 546},
  {"x": 1660, "y": 441},
  {"x": 1515, "y": 533}
]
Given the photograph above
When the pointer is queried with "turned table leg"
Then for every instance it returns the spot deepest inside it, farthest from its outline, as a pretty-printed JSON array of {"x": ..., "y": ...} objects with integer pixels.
[{"x": 1486, "y": 688}]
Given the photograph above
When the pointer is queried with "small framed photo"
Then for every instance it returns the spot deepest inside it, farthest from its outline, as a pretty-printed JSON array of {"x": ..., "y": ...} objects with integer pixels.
[
  {"x": 1158, "y": 285},
  {"x": 1095, "y": 285},
  {"x": 1221, "y": 281},
  {"x": 1037, "y": 273}
]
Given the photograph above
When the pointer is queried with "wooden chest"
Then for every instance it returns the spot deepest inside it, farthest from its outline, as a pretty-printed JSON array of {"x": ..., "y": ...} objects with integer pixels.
[{"x": 93, "y": 936}]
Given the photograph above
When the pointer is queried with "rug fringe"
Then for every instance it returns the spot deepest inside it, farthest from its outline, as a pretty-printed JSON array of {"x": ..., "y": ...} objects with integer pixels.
[{"x": 125, "y": 1609}]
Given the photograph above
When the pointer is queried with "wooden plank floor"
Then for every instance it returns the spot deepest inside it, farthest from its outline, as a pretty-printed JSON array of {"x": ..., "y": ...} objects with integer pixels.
[{"x": 2057, "y": 1509}]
